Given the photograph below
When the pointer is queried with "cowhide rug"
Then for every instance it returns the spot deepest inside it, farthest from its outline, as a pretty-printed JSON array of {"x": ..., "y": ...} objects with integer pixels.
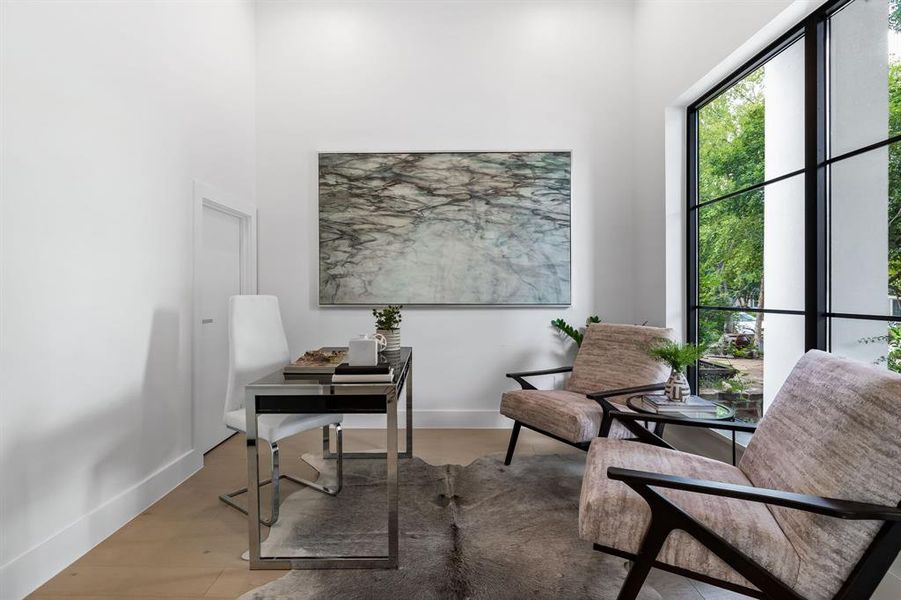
[{"x": 483, "y": 531}]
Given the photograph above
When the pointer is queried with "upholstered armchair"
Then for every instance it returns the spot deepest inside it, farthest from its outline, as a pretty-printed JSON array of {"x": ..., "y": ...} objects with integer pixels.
[
  {"x": 612, "y": 362},
  {"x": 811, "y": 511}
]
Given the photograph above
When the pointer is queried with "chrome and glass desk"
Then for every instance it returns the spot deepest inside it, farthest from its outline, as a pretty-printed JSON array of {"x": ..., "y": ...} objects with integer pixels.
[{"x": 276, "y": 394}]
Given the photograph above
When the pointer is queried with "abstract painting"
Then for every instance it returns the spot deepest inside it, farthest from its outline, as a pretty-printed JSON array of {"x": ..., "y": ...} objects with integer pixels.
[{"x": 489, "y": 228}]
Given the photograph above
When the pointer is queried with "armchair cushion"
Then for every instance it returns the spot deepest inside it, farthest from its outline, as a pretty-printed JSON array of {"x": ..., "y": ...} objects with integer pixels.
[
  {"x": 616, "y": 356},
  {"x": 612, "y": 515},
  {"x": 834, "y": 430},
  {"x": 568, "y": 415}
]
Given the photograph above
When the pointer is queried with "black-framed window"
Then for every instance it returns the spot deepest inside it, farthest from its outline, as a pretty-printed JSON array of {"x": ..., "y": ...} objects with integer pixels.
[{"x": 794, "y": 205}]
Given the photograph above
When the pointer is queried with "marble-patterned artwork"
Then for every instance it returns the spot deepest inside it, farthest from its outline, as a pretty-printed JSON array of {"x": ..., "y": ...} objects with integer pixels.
[{"x": 444, "y": 228}]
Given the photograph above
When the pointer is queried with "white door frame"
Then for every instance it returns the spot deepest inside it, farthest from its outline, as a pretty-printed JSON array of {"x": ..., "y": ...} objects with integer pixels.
[{"x": 208, "y": 196}]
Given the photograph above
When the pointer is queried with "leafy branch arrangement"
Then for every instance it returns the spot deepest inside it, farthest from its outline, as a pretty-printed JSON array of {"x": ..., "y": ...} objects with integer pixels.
[
  {"x": 677, "y": 356},
  {"x": 575, "y": 334},
  {"x": 892, "y": 359},
  {"x": 388, "y": 318}
]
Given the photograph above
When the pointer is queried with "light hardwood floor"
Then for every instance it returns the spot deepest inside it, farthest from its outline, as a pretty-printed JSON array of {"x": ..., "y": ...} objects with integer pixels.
[{"x": 189, "y": 545}]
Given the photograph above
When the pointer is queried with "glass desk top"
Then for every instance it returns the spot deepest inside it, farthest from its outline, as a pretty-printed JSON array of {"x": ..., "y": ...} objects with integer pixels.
[{"x": 399, "y": 360}]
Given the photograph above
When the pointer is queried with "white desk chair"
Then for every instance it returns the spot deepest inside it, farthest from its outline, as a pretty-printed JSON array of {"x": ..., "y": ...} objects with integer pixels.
[{"x": 256, "y": 347}]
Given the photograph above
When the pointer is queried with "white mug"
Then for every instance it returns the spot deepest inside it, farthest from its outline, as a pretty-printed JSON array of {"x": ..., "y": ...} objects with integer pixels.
[{"x": 364, "y": 350}]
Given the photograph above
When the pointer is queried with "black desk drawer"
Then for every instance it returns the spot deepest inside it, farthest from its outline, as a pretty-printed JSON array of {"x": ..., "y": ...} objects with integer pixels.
[{"x": 326, "y": 403}]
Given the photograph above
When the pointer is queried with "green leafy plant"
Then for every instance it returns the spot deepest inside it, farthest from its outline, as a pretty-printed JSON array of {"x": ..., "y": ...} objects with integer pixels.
[
  {"x": 740, "y": 352},
  {"x": 730, "y": 238},
  {"x": 731, "y": 151},
  {"x": 576, "y": 334},
  {"x": 387, "y": 318},
  {"x": 892, "y": 358},
  {"x": 737, "y": 384},
  {"x": 677, "y": 356}
]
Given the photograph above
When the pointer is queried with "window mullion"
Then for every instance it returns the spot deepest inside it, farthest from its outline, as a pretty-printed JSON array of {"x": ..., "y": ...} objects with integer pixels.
[
  {"x": 691, "y": 217},
  {"x": 750, "y": 188},
  {"x": 815, "y": 208}
]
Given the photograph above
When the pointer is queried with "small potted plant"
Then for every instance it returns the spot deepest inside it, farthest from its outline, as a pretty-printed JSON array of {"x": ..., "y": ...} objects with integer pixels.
[
  {"x": 678, "y": 357},
  {"x": 387, "y": 323}
]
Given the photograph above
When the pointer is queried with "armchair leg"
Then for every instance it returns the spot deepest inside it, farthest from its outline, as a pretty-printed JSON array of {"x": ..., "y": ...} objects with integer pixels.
[
  {"x": 647, "y": 554},
  {"x": 510, "y": 448}
]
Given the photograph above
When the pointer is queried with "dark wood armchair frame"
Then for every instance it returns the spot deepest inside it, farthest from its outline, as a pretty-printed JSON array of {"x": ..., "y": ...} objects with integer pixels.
[
  {"x": 520, "y": 378},
  {"x": 667, "y": 517}
]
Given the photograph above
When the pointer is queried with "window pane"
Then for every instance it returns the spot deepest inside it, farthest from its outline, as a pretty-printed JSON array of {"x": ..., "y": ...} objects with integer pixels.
[
  {"x": 875, "y": 342},
  {"x": 865, "y": 74},
  {"x": 748, "y": 358},
  {"x": 751, "y": 248},
  {"x": 753, "y": 131},
  {"x": 866, "y": 233}
]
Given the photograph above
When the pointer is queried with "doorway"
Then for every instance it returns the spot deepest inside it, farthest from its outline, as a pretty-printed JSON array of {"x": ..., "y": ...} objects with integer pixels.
[{"x": 225, "y": 258}]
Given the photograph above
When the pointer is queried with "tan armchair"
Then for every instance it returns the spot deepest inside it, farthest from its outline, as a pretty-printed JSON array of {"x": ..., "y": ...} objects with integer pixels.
[
  {"x": 612, "y": 361},
  {"x": 811, "y": 511}
]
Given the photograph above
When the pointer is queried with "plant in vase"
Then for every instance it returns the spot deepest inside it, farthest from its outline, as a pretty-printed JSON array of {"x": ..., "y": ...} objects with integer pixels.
[
  {"x": 576, "y": 334},
  {"x": 678, "y": 357},
  {"x": 387, "y": 323}
]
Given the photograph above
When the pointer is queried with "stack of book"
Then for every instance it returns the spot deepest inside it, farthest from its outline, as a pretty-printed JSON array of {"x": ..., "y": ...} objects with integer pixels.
[
  {"x": 659, "y": 403},
  {"x": 345, "y": 373}
]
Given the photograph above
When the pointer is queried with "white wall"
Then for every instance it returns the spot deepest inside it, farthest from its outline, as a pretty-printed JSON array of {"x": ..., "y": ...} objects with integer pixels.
[
  {"x": 859, "y": 186},
  {"x": 593, "y": 77},
  {"x": 416, "y": 76},
  {"x": 679, "y": 48},
  {"x": 109, "y": 111},
  {"x": 783, "y": 220}
]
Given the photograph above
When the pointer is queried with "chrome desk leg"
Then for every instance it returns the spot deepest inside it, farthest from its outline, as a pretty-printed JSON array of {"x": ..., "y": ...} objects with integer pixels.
[
  {"x": 389, "y": 561},
  {"x": 408, "y": 450},
  {"x": 392, "y": 479},
  {"x": 253, "y": 475}
]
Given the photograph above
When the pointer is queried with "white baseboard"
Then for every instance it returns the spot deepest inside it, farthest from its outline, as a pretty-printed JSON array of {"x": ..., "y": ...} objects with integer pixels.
[
  {"x": 31, "y": 569},
  {"x": 435, "y": 419}
]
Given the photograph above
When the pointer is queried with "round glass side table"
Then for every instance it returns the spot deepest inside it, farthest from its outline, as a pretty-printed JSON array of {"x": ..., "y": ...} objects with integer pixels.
[{"x": 723, "y": 413}]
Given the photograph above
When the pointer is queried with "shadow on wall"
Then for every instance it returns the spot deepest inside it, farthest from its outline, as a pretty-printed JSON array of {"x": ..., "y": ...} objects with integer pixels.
[
  {"x": 563, "y": 354},
  {"x": 76, "y": 464},
  {"x": 165, "y": 394}
]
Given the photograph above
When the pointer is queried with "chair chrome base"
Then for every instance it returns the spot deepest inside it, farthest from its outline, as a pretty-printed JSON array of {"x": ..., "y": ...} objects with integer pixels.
[{"x": 277, "y": 477}]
